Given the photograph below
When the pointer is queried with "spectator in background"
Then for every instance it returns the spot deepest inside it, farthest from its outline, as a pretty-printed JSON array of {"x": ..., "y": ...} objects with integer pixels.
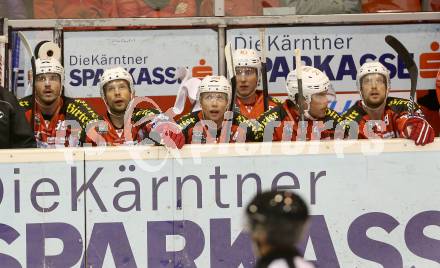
[
  {"x": 316, "y": 7},
  {"x": 13, "y": 9},
  {"x": 15, "y": 132},
  {"x": 150, "y": 8},
  {"x": 70, "y": 9},
  {"x": 238, "y": 7}
]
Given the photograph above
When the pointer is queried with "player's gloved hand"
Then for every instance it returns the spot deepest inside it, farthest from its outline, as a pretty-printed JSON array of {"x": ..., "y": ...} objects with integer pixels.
[
  {"x": 419, "y": 130},
  {"x": 171, "y": 135}
]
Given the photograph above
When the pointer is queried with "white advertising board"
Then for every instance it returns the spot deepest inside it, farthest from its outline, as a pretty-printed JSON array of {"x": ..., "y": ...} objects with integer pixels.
[
  {"x": 42, "y": 216},
  {"x": 339, "y": 51},
  {"x": 373, "y": 204},
  {"x": 151, "y": 56},
  {"x": 382, "y": 210}
]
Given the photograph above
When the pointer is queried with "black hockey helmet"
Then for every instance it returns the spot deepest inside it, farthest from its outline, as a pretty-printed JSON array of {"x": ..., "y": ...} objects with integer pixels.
[
  {"x": 277, "y": 204},
  {"x": 281, "y": 214}
]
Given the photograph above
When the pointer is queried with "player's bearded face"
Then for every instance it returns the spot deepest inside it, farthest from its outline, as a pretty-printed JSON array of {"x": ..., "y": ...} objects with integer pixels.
[
  {"x": 47, "y": 88},
  {"x": 247, "y": 81},
  {"x": 214, "y": 106},
  {"x": 374, "y": 90},
  {"x": 117, "y": 95},
  {"x": 318, "y": 105}
]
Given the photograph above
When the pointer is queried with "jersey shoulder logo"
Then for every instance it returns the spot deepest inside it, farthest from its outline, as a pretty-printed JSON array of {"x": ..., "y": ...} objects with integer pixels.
[
  {"x": 399, "y": 105},
  {"x": 188, "y": 120},
  {"x": 24, "y": 103},
  {"x": 331, "y": 114},
  {"x": 355, "y": 113},
  {"x": 139, "y": 114},
  {"x": 275, "y": 100}
]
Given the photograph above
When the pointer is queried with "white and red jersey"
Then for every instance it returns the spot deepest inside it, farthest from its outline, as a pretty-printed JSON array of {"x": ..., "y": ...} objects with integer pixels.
[
  {"x": 57, "y": 129},
  {"x": 288, "y": 129},
  {"x": 254, "y": 109},
  {"x": 394, "y": 118},
  {"x": 196, "y": 131},
  {"x": 106, "y": 134}
]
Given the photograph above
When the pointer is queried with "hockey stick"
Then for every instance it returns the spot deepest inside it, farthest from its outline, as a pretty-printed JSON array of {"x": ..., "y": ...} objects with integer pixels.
[
  {"x": 263, "y": 70},
  {"x": 229, "y": 115},
  {"x": 58, "y": 38},
  {"x": 28, "y": 48},
  {"x": 4, "y": 74},
  {"x": 3, "y": 55},
  {"x": 231, "y": 73},
  {"x": 26, "y": 44},
  {"x": 300, "y": 87},
  {"x": 15, "y": 61},
  {"x": 403, "y": 53}
]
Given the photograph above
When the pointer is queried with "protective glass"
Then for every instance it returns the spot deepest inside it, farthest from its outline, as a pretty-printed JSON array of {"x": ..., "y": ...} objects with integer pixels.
[
  {"x": 48, "y": 78},
  {"x": 218, "y": 97},
  {"x": 245, "y": 71}
]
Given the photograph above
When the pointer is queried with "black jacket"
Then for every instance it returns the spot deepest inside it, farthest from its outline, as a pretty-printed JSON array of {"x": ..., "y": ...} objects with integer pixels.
[{"x": 15, "y": 132}]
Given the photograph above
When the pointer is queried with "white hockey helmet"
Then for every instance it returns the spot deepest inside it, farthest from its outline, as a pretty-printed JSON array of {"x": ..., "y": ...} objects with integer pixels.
[
  {"x": 247, "y": 58},
  {"x": 373, "y": 67},
  {"x": 313, "y": 81},
  {"x": 49, "y": 65},
  {"x": 115, "y": 74},
  {"x": 215, "y": 83}
]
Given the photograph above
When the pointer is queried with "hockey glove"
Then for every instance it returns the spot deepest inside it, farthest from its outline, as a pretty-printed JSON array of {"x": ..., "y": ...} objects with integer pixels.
[
  {"x": 171, "y": 135},
  {"x": 421, "y": 131}
]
